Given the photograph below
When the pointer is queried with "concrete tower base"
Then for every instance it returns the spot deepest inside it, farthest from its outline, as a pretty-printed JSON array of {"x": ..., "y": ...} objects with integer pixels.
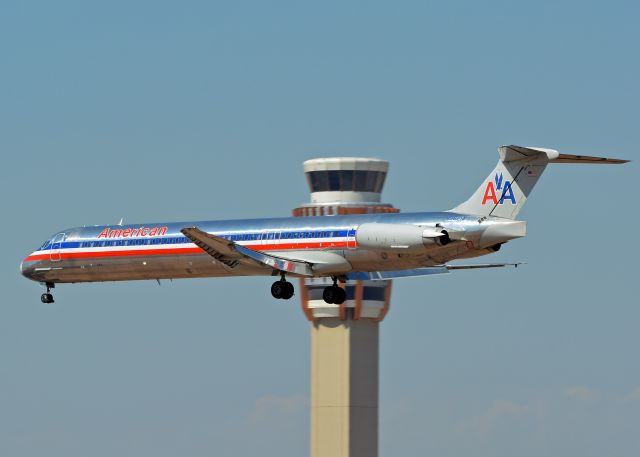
[{"x": 344, "y": 389}]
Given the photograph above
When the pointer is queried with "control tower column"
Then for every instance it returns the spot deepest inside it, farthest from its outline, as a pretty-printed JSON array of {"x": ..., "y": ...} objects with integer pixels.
[{"x": 345, "y": 338}]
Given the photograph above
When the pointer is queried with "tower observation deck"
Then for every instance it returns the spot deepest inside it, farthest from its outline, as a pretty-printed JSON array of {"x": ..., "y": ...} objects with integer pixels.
[
  {"x": 345, "y": 337},
  {"x": 345, "y": 185}
]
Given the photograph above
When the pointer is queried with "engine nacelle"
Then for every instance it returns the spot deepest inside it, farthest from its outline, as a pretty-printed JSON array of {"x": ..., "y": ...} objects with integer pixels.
[{"x": 399, "y": 237}]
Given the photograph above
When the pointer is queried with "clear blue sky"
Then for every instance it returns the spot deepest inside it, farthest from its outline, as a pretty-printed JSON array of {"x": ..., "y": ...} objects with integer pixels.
[{"x": 157, "y": 111}]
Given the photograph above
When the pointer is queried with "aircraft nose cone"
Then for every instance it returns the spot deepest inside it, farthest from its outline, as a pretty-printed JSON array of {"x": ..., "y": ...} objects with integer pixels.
[{"x": 27, "y": 269}]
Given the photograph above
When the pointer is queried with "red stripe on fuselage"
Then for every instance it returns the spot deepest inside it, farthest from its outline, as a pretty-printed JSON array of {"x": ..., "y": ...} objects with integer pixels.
[{"x": 175, "y": 251}]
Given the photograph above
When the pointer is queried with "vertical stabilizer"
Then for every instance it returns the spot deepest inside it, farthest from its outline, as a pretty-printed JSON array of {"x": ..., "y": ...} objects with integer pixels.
[{"x": 504, "y": 192}]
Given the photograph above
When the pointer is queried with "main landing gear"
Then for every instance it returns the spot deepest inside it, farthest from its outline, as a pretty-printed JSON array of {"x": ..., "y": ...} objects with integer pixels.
[
  {"x": 334, "y": 294},
  {"x": 282, "y": 289},
  {"x": 47, "y": 297}
]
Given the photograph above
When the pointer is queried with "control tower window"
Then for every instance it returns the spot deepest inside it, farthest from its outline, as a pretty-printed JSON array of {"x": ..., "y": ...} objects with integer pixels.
[
  {"x": 346, "y": 180},
  {"x": 318, "y": 181},
  {"x": 370, "y": 183},
  {"x": 380, "y": 181},
  {"x": 334, "y": 180},
  {"x": 360, "y": 180}
]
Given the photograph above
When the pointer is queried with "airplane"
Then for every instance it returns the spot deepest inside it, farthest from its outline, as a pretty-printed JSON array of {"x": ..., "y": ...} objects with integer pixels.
[{"x": 343, "y": 248}]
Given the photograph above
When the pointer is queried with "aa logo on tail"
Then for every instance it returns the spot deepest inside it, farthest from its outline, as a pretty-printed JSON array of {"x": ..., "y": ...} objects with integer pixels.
[{"x": 501, "y": 185}]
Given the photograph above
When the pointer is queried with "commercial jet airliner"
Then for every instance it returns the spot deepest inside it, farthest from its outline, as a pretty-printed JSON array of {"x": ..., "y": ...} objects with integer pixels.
[{"x": 367, "y": 246}]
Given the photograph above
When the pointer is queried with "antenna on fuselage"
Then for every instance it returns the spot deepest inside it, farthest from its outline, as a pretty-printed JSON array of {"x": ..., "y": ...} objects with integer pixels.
[{"x": 121, "y": 220}]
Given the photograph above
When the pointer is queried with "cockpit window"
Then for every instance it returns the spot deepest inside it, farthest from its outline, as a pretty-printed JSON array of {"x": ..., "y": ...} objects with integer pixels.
[{"x": 44, "y": 245}]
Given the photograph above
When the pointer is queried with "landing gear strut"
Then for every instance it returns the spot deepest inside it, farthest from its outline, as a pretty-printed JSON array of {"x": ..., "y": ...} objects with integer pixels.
[
  {"x": 334, "y": 294},
  {"x": 47, "y": 297},
  {"x": 282, "y": 289}
]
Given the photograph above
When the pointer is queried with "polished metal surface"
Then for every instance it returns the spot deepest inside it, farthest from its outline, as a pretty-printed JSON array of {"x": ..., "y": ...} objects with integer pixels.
[{"x": 96, "y": 263}]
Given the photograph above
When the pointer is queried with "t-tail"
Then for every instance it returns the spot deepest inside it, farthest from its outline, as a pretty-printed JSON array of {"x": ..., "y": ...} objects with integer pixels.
[{"x": 505, "y": 191}]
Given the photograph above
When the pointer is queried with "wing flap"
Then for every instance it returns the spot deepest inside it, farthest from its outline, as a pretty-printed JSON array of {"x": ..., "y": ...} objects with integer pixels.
[
  {"x": 232, "y": 254},
  {"x": 277, "y": 263}
]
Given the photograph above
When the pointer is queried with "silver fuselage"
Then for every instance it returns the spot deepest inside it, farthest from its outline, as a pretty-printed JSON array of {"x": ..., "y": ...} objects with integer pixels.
[{"x": 161, "y": 251}]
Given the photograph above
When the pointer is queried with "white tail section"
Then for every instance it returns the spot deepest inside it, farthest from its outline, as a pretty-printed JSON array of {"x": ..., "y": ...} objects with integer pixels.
[{"x": 505, "y": 191}]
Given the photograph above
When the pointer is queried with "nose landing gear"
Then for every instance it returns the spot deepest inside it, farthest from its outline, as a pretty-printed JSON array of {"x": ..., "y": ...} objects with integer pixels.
[
  {"x": 47, "y": 297},
  {"x": 334, "y": 294},
  {"x": 282, "y": 289}
]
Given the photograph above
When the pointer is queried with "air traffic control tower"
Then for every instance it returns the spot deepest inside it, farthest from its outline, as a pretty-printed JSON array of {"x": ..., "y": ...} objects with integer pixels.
[{"x": 344, "y": 338}]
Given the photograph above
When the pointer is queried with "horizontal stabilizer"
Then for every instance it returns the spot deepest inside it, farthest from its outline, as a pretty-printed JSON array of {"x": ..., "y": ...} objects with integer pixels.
[
  {"x": 381, "y": 275},
  {"x": 569, "y": 158},
  {"x": 484, "y": 265},
  {"x": 513, "y": 153},
  {"x": 439, "y": 269}
]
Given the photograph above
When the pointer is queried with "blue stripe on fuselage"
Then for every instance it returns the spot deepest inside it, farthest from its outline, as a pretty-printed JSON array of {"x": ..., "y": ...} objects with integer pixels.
[{"x": 236, "y": 237}]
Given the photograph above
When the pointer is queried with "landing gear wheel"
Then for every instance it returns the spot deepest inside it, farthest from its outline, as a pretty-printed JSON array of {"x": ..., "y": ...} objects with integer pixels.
[
  {"x": 288, "y": 291},
  {"x": 327, "y": 294},
  {"x": 340, "y": 296},
  {"x": 282, "y": 289},
  {"x": 334, "y": 295},
  {"x": 277, "y": 289},
  {"x": 47, "y": 297}
]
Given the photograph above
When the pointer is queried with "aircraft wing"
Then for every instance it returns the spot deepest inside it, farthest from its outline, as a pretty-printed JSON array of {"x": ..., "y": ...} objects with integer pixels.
[
  {"x": 232, "y": 254},
  {"x": 438, "y": 269}
]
